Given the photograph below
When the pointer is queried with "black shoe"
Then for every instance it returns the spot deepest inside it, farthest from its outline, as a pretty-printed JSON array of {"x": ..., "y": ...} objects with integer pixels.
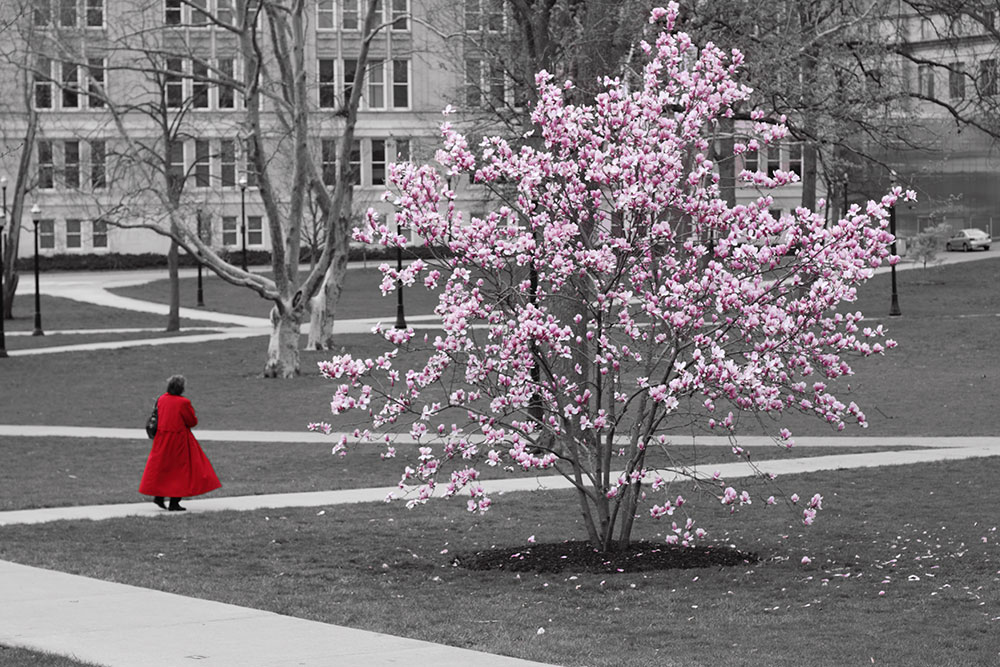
[
  {"x": 158, "y": 501},
  {"x": 175, "y": 505}
]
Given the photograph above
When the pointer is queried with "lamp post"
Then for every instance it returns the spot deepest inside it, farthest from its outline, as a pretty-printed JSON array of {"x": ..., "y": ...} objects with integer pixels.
[
  {"x": 36, "y": 212},
  {"x": 243, "y": 217},
  {"x": 894, "y": 310},
  {"x": 400, "y": 318},
  {"x": 201, "y": 237},
  {"x": 3, "y": 219}
]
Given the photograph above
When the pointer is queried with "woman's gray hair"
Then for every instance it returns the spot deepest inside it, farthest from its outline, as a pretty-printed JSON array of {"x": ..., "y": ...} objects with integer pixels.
[{"x": 175, "y": 385}]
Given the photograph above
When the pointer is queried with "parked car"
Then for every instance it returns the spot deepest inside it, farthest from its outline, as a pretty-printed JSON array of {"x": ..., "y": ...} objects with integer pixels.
[{"x": 968, "y": 239}]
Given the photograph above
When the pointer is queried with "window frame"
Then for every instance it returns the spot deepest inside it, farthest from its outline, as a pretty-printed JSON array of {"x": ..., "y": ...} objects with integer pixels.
[
  {"x": 255, "y": 231},
  {"x": 326, "y": 89},
  {"x": 92, "y": 8},
  {"x": 74, "y": 234},
  {"x": 98, "y": 230},
  {"x": 395, "y": 84},
  {"x": 46, "y": 234},
  {"x": 173, "y": 80},
  {"x": 46, "y": 164},
  {"x": 98, "y": 167},
  {"x": 71, "y": 169}
]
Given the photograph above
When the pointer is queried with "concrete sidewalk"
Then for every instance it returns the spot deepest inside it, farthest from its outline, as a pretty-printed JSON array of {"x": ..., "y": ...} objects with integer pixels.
[
  {"x": 727, "y": 471},
  {"x": 304, "y": 436},
  {"x": 116, "y": 625}
]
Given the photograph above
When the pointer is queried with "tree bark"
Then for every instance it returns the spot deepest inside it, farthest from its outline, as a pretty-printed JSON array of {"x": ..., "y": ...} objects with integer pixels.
[
  {"x": 174, "y": 314},
  {"x": 323, "y": 306},
  {"x": 283, "y": 346}
]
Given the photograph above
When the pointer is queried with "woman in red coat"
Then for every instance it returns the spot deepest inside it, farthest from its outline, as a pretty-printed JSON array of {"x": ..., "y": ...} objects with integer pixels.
[{"x": 176, "y": 468}]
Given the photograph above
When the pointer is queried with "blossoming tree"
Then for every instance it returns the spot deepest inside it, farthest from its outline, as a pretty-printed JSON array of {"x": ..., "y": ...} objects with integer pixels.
[{"x": 609, "y": 297}]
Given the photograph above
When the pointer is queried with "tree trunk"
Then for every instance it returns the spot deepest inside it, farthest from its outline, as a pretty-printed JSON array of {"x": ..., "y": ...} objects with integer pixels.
[
  {"x": 283, "y": 347},
  {"x": 323, "y": 306},
  {"x": 173, "y": 261},
  {"x": 809, "y": 175},
  {"x": 9, "y": 287}
]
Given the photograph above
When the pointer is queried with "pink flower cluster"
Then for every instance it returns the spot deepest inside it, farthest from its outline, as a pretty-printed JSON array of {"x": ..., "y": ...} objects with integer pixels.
[{"x": 613, "y": 291}]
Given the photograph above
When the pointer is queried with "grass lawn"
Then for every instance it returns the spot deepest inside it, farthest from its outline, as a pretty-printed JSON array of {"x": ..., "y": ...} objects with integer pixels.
[
  {"x": 941, "y": 380},
  {"x": 54, "y": 472},
  {"x": 901, "y": 573},
  {"x": 57, "y": 339},
  {"x": 59, "y": 314},
  {"x": 20, "y": 657},
  {"x": 361, "y": 297}
]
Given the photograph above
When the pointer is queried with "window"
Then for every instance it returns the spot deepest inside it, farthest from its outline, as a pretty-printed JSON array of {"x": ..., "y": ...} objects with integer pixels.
[
  {"x": 71, "y": 164},
  {"x": 199, "y": 12},
  {"x": 172, "y": 12},
  {"x": 327, "y": 85},
  {"x": 350, "y": 15},
  {"x": 255, "y": 230},
  {"x": 70, "y": 86},
  {"x": 74, "y": 237},
  {"x": 174, "y": 83},
  {"x": 43, "y": 13},
  {"x": 67, "y": 13},
  {"x": 224, "y": 11},
  {"x": 400, "y": 84},
  {"x": 497, "y": 86},
  {"x": 925, "y": 81},
  {"x": 175, "y": 166},
  {"x": 202, "y": 165},
  {"x": 47, "y": 234},
  {"x": 229, "y": 230},
  {"x": 99, "y": 234},
  {"x": 328, "y": 162},
  {"x": 227, "y": 162},
  {"x": 483, "y": 14},
  {"x": 400, "y": 15},
  {"x": 350, "y": 69},
  {"x": 472, "y": 15},
  {"x": 378, "y": 162},
  {"x": 773, "y": 159},
  {"x": 988, "y": 77},
  {"x": 226, "y": 92},
  {"x": 402, "y": 150},
  {"x": 46, "y": 166},
  {"x": 95, "y": 87},
  {"x": 926, "y": 29},
  {"x": 325, "y": 14},
  {"x": 95, "y": 13},
  {"x": 956, "y": 81},
  {"x": 43, "y": 83},
  {"x": 354, "y": 167},
  {"x": 98, "y": 172},
  {"x": 795, "y": 159},
  {"x": 376, "y": 85},
  {"x": 199, "y": 84},
  {"x": 473, "y": 74}
]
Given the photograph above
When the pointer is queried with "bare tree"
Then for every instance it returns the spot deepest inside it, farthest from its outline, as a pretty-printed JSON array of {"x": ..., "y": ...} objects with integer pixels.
[
  {"x": 169, "y": 76},
  {"x": 18, "y": 135}
]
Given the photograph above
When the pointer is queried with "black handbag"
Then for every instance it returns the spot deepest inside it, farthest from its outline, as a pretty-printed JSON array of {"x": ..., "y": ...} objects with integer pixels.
[{"x": 151, "y": 423}]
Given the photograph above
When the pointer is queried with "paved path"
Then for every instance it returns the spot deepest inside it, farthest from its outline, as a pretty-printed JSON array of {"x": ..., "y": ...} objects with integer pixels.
[{"x": 125, "y": 626}]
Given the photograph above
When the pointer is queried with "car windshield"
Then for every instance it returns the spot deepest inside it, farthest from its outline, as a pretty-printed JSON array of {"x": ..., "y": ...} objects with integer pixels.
[{"x": 975, "y": 233}]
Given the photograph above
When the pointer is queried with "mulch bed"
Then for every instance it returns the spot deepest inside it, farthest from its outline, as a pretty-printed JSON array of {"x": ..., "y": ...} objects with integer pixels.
[{"x": 582, "y": 557}]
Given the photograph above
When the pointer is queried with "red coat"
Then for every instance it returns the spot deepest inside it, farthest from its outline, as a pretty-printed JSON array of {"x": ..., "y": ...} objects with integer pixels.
[{"x": 177, "y": 468}]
